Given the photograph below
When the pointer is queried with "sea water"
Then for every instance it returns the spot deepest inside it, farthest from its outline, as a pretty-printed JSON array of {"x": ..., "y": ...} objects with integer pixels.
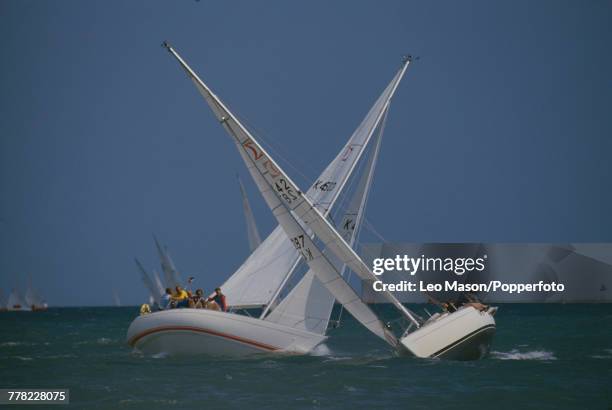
[{"x": 543, "y": 356}]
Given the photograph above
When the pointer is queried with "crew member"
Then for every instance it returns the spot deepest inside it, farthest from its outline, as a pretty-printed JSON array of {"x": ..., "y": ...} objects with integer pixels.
[{"x": 219, "y": 299}]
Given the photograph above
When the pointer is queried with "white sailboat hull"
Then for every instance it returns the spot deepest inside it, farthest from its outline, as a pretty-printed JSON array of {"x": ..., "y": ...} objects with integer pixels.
[
  {"x": 202, "y": 331},
  {"x": 462, "y": 335}
]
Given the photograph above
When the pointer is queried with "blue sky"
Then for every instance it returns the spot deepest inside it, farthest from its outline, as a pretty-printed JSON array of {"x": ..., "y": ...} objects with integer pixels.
[{"x": 500, "y": 132}]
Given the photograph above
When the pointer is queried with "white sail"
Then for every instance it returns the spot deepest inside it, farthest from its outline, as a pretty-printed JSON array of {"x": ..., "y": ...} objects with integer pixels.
[
  {"x": 148, "y": 282},
  {"x": 262, "y": 275},
  {"x": 31, "y": 297},
  {"x": 158, "y": 283},
  {"x": 309, "y": 304},
  {"x": 318, "y": 262},
  {"x": 252, "y": 232},
  {"x": 176, "y": 276},
  {"x": 290, "y": 207},
  {"x": 171, "y": 276}
]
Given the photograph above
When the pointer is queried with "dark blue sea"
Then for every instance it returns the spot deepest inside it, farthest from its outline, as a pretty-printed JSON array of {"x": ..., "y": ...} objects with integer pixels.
[{"x": 543, "y": 357}]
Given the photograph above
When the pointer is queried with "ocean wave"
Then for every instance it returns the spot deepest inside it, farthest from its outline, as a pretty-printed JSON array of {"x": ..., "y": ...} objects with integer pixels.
[
  {"x": 10, "y": 344},
  {"x": 160, "y": 355},
  {"x": 14, "y": 344},
  {"x": 98, "y": 341},
  {"x": 60, "y": 356},
  {"x": 23, "y": 358},
  {"x": 603, "y": 356},
  {"x": 514, "y": 354},
  {"x": 321, "y": 350}
]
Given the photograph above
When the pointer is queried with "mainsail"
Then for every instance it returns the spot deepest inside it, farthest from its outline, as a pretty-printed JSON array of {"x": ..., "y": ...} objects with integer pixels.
[
  {"x": 292, "y": 209},
  {"x": 252, "y": 232},
  {"x": 261, "y": 277}
]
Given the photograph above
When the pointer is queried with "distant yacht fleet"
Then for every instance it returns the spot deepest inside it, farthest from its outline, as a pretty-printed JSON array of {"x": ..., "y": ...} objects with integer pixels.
[{"x": 30, "y": 302}]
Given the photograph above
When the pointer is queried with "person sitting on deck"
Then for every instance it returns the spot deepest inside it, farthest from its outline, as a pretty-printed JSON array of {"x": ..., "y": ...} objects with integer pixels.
[
  {"x": 469, "y": 299},
  {"x": 181, "y": 298},
  {"x": 166, "y": 300},
  {"x": 198, "y": 301},
  {"x": 218, "y": 299}
]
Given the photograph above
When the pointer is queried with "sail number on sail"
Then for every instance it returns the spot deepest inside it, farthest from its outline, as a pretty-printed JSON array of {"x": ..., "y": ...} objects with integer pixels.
[
  {"x": 257, "y": 155},
  {"x": 298, "y": 242}
]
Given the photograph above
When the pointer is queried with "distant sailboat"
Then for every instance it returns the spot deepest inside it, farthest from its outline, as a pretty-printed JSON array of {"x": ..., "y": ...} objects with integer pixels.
[
  {"x": 171, "y": 275},
  {"x": 155, "y": 292},
  {"x": 116, "y": 298},
  {"x": 15, "y": 302},
  {"x": 158, "y": 283},
  {"x": 33, "y": 300}
]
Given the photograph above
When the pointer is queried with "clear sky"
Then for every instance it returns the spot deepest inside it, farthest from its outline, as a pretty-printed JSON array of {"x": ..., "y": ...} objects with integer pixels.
[{"x": 500, "y": 132}]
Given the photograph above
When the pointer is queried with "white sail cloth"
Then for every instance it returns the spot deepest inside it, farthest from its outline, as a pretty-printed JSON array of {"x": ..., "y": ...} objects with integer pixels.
[
  {"x": 32, "y": 298},
  {"x": 252, "y": 232},
  {"x": 263, "y": 273},
  {"x": 153, "y": 289},
  {"x": 171, "y": 275},
  {"x": 318, "y": 262},
  {"x": 291, "y": 208},
  {"x": 309, "y": 304}
]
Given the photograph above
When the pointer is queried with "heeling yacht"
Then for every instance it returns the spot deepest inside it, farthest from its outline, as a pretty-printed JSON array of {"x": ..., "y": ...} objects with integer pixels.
[{"x": 298, "y": 322}]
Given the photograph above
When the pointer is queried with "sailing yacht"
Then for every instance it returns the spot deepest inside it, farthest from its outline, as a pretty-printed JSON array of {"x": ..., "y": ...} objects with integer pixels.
[
  {"x": 298, "y": 322},
  {"x": 15, "y": 302},
  {"x": 33, "y": 300}
]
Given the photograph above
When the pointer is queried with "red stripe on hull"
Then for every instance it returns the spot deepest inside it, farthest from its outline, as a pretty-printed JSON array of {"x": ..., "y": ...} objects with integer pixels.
[{"x": 259, "y": 345}]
